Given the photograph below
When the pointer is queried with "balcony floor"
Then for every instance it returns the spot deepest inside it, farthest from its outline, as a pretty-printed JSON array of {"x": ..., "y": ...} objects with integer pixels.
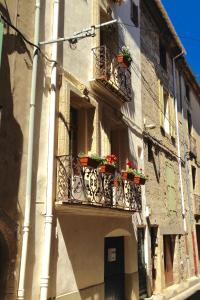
[{"x": 92, "y": 210}]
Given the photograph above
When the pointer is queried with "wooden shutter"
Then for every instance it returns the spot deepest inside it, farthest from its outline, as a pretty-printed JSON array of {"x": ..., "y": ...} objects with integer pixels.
[
  {"x": 172, "y": 117},
  {"x": 161, "y": 103}
]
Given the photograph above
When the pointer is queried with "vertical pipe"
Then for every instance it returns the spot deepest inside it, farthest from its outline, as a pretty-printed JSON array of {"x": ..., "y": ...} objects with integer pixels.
[
  {"x": 179, "y": 156},
  {"x": 20, "y": 292},
  {"x": 178, "y": 144},
  {"x": 50, "y": 164},
  {"x": 188, "y": 193}
]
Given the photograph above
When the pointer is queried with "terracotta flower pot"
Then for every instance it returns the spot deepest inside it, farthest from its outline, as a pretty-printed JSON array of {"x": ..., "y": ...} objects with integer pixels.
[
  {"x": 86, "y": 161},
  {"x": 137, "y": 179},
  {"x": 142, "y": 181},
  {"x": 123, "y": 61},
  {"x": 107, "y": 169},
  {"x": 127, "y": 175},
  {"x": 116, "y": 182}
]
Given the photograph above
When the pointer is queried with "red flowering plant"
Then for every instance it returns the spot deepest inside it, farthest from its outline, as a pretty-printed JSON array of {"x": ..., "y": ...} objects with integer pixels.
[
  {"x": 109, "y": 164},
  {"x": 130, "y": 168},
  {"x": 110, "y": 160}
]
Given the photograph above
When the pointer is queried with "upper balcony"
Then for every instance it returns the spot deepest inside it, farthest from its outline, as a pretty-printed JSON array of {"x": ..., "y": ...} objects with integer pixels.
[
  {"x": 86, "y": 187},
  {"x": 112, "y": 78},
  {"x": 193, "y": 146}
]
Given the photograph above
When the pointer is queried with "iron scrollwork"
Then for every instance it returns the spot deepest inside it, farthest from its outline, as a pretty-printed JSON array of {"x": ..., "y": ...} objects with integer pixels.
[{"x": 85, "y": 185}]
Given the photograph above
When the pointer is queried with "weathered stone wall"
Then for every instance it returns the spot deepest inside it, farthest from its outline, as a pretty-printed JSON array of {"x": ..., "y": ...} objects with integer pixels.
[{"x": 161, "y": 151}]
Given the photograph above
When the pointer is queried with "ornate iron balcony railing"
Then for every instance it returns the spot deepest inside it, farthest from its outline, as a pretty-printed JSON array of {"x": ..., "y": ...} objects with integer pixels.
[
  {"x": 193, "y": 146},
  {"x": 83, "y": 185},
  {"x": 111, "y": 74}
]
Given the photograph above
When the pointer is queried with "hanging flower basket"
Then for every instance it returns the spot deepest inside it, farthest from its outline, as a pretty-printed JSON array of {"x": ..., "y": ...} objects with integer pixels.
[
  {"x": 127, "y": 175},
  {"x": 110, "y": 169}
]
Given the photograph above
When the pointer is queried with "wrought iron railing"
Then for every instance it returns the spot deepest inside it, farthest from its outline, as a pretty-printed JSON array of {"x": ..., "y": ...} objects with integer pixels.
[
  {"x": 111, "y": 74},
  {"x": 196, "y": 204},
  {"x": 84, "y": 185},
  {"x": 193, "y": 146}
]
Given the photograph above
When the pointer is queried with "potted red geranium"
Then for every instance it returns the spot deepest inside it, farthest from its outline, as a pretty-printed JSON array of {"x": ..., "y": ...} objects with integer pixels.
[
  {"x": 128, "y": 174},
  {"x": 124, "y": 57},
  {"x": 109, "y": 164},
  {"x": 139, "y": 178},
  {"x": 90, "y": 161}
]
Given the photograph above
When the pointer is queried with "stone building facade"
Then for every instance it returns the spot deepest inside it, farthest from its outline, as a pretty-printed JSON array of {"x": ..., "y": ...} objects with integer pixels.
[
  {"x": 73, "y": 232},
  {"x": 172, "y": 258}
]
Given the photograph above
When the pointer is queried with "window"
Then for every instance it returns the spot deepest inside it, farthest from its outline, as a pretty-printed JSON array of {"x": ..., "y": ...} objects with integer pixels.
[
  {"x": 193, "y": 177},
  {"x": 81, "y": 130},
  {"x": 120, "y": 146},
  {"x": 189, "y": 118},
  {"x": 150, "y": 152},
  {"x": 166, "y": 112},
  {"x": 163, "y": 56},
  {"x": 187, "y": 92},
  {"x": 134, "y": 13}
]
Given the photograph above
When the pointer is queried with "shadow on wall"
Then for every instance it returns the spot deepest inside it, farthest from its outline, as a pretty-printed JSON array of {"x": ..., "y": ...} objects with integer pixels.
[
  {"x": 11, "y": 146},
  {"x": 77, "y": 257}
]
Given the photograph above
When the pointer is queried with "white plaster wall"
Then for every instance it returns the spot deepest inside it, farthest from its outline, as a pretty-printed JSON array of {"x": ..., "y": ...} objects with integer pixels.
[
  {"x": 78, "y": 15},
  {"x": 130, "y": 36},
  {"x": 80, "y": 250}
]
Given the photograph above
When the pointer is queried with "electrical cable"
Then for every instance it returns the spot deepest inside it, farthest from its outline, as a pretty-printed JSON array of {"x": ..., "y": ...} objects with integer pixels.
[
  {"x": 26, "y": 40},
  {"x": 137, "y": 71},
  {"x": 154, "y": 97}
]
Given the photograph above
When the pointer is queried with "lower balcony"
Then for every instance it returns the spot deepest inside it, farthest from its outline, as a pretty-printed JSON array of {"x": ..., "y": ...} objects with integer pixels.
[
  {"x": 88, "y": 187},
  {"x": 111, "y": 77}
]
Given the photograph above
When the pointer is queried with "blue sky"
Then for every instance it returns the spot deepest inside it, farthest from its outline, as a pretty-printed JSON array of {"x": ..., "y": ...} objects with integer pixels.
[{"x": 185, "y": 16}]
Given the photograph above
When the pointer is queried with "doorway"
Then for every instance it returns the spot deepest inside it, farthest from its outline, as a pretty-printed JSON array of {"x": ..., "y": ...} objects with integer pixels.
[
  {"x": 154, "y": 245},
  {"x": 198, "y": 239},
  {"x": 114, "y": 268},
  {"x": 169, "y": 246},
  {"x": 141, "y": 264}
]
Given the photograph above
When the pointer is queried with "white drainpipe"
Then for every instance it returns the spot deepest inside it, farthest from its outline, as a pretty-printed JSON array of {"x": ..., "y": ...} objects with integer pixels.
[
  {"x": 20, "y": 292},
  {"x": 178, "y": 142},
  {"x": 50, "y": 164},
  {"x": 179, "y": 159}
]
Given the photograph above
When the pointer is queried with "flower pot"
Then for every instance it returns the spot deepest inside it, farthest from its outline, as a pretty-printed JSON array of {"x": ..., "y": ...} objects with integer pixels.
[
  {"x": 86, "y": 161},
  {"x": 137, "y": 179},
  {"x": 107, "y": 169},
  {"x": 122, "y": 60},
  {"x": 127, "y": 175},
  {"x": 142, "y": 181}
]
